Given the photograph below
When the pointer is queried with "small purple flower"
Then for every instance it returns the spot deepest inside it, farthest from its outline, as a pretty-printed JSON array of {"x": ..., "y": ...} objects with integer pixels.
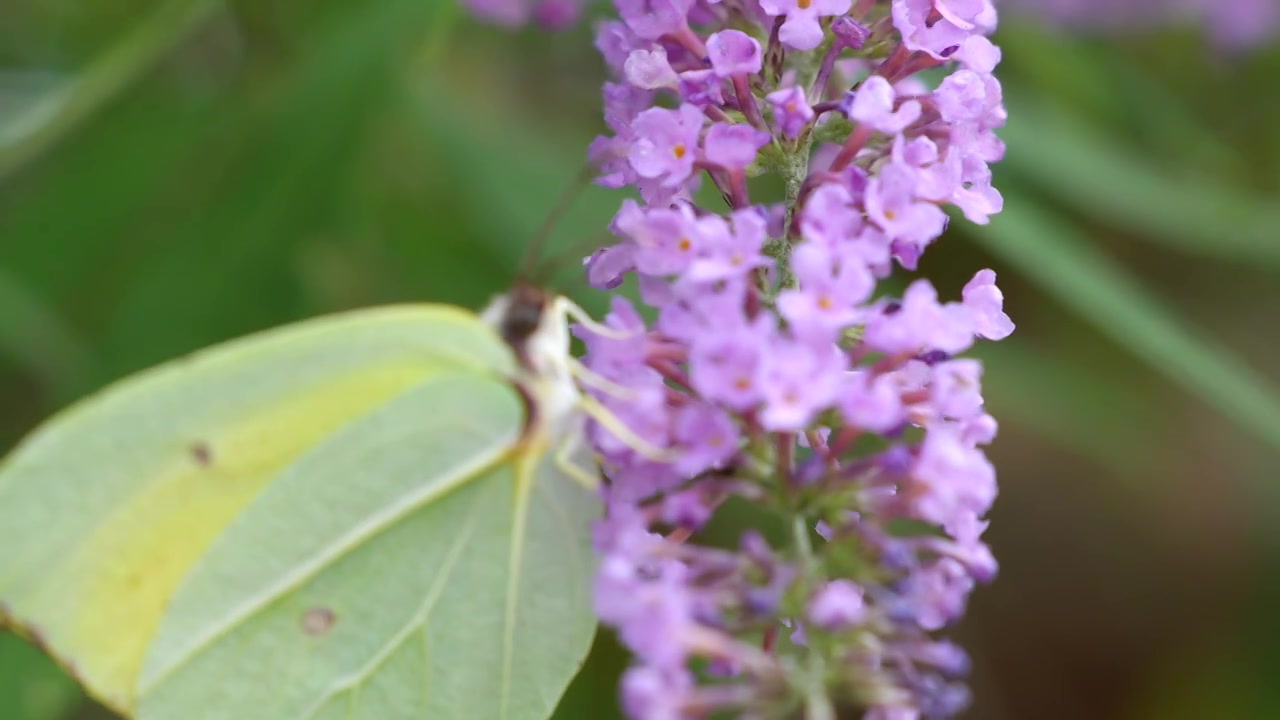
[
  {"x": 986, "y": 303},
  {"x": 833, "y": 281},
  {"x": 920, "y": 322},
  {"x": 615, "y": 41},
  {"x": 701, "y": 88},
  {"x": 849, "y": 32},
  {"x": 802, "y": 30},
  {"x": 837, "y": 606},
  {"x": 955, "y": 478},
  {"x": 872, "y": 403},
  {"x": 893, "y": 205},
  {"x": 733, "y": 52},
  {"x": 733, "y": 254},
  {"x": 607, "y": 265},
  {"x": 725, "y": 367},
  {"x": 649, "y": 69},
  {"x": 829, "y": 216},
  {"x": 956, "y": 391},
  {"x": 666, "y": 143},
  {"x": 962, "y": 96},
  {"x": 799, "y": 380},
  {"x": 653, "y": 694},
  {"x": 651, "y": 19},
  {"x": 942, "y": 34},
  {"x": 791, "y": 111},
  {"x": 872, "y": 105},
  {"x": 732, "y": 146},
  {"x": 937, "y": 593},
  {"x": 666, "y": 240},
  {"x": 707, "y": 436},
  {"x": 975, "y": 195},
  {"x": 655, "y": 614}
]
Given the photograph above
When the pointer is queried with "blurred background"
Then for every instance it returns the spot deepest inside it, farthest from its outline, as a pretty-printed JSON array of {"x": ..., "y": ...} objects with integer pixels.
[{"x": 178, "y": 172}]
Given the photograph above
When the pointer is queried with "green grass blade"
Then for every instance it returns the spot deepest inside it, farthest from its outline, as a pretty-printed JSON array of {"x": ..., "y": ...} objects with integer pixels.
[
  {"x": 1052, "y": 253},
  {"x": 49, "y": 117},
  {"x": 1078, "y": 165}
]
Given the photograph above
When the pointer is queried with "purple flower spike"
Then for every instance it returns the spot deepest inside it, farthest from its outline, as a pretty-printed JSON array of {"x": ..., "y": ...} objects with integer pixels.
[
  {"x": 775, "y": 367},
  {"x": 733, "y": 52},
  {"x": 791, "y": 110}
]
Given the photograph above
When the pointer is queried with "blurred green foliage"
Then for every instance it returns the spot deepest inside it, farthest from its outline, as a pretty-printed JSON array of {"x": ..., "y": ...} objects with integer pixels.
[{"x": 175, "y": 173}]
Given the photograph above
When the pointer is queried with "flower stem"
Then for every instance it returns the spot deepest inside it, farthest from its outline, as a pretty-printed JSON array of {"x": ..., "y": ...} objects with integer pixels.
[{"x": 817, "y": 705}]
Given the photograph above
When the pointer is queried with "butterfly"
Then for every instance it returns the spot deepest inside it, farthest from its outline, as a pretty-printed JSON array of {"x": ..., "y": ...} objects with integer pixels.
[{"x": 383, "y": 513}]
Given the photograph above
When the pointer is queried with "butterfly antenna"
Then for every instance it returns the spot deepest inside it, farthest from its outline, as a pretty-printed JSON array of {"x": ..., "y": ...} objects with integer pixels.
[
  {"x": 576, "y": 251},
  {"x": 563, "y": 203}
]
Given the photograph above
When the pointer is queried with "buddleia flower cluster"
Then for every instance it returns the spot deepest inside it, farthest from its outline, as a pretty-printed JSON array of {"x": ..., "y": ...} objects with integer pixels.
[{"x": 777, "y": 370}]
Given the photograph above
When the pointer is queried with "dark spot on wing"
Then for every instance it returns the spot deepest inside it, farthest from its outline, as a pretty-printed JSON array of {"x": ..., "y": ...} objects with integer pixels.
[
  {"x": 201, "y": 453},
  {"x": 318, "y": 621}
]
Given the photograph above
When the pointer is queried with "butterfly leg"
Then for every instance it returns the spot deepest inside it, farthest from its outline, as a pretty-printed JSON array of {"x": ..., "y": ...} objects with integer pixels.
[
  {"x": 603, "y": 415},
  {"x": 577, "y": 314},
  {"x": 563, "y": 458},
  {"x": 596, "y": 381}
]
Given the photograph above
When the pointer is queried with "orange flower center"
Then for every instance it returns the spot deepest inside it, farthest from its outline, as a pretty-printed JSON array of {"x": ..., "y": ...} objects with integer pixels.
[
  {"x": 684, "y": 244},
  {"x": 804, "y": 4},
  {"x": 679, "y": 151}
]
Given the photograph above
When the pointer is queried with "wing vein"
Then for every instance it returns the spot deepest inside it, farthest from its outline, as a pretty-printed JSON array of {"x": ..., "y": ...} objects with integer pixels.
[
  {"x": 523, "y": 484},
  {"x": 416, "y": 622},
  {"x": 370, "y": 527}
]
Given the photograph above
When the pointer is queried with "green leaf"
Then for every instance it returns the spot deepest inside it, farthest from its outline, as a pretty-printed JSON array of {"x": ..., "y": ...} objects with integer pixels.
[
  {"x": 348, "y": 516},
  {"x": 1053, "y": 254}
]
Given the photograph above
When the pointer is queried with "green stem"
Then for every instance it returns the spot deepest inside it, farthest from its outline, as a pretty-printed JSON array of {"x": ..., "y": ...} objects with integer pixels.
[
  {"x": 817, "y": 705},
  {"x": 795, "y": 168}
]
